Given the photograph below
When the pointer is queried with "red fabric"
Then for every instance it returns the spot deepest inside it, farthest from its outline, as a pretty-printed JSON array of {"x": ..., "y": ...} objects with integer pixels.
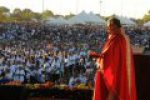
[
  {"x": 115, "y": 77},
  {"x": 100, "y": 87},
  {"x": 94, "y": 54}
]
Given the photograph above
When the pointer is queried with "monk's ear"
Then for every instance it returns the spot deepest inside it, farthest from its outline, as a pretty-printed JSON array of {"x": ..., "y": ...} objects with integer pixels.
[{"x": 122, "y": 30}]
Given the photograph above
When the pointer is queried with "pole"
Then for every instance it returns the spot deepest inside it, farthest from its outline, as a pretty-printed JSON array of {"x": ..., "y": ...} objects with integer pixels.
[
  {"x": 42, "y": 5},
  {"x": 100, "y": 6},
  {"x": 121, "y": 7},
  {"x": 77, "y": 5}
]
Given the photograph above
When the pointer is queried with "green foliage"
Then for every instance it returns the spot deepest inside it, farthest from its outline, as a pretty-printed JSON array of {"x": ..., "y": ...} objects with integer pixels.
[
  {"x": 17, "y": 11},
  {"x": 37, "y": 16},
  {"x": 146, "y": 17},
  {"x": 22, "y": 15},
  {"x": 27, "y": 15},
  {"x": 139, "y": 21},
  {"x": 16, "y": 15},
  {"x": 3, "y": 13},
  {"x": 69, "y": 16},
  {"x": 4, "y": 10},
  {"x": 46, "y": 14}
]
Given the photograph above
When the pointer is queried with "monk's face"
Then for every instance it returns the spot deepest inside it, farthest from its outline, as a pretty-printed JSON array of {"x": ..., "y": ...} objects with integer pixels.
[{"x": 112, "y": 28}]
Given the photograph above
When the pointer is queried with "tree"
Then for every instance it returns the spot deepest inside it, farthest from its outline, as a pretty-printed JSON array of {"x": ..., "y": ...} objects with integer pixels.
[
  {"x": 22, "y": 15},
  {"x": 46, "y": 14},
  {"x": 69, "y": 16},
  {"x": 146, "y": 18},
  {"x": 37, "y": 16},
  {"x": 16, "y": 15},
  {"x": 17, "y": 11},
  {"x": 27, "y": 14},
  {"x": 139, "y": 21},
  {"x": 4, "y": 10},
  {"x": 3, "y": 13}
]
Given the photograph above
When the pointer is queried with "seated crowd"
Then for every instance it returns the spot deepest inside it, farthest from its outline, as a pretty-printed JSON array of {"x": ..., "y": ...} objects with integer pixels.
[{"x": 36, "y": 53}]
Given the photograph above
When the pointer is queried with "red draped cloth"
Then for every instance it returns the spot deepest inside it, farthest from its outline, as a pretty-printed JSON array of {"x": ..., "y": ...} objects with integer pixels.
[{"x": 118, "y": 76}]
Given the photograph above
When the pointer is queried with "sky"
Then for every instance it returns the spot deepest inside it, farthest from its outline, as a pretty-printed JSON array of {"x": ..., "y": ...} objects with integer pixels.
[{"x": 127, "y": 8}]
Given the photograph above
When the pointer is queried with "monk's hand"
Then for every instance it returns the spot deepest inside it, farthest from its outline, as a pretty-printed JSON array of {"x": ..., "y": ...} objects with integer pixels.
[
  {"x": 101, "y": 70},
  {"x": 94, "y": 54}
]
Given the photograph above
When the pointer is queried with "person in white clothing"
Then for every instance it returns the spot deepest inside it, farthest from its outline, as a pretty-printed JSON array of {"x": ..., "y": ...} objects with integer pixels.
[{"x": 19, "y": 74}]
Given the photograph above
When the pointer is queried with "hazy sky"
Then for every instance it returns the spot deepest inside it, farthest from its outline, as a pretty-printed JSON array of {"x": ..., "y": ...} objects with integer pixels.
[{"x": 129, "y": 8}]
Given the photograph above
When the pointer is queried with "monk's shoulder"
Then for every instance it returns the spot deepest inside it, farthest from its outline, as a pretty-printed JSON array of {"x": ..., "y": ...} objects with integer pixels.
[{"x": 119, "y": 38}]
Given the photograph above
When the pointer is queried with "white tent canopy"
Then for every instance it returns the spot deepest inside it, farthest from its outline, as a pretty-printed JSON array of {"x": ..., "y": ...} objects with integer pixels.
[
  {"x": 84, "y": 18},
  {"x": 147, "y": 24},
  {"x": 50, "y": 19},
  {"x": 79, "y": 19},
  {"x": 57, "y": 21},
  {"x": 126, "y": 21},
  {"x": 95, "y": 19}
]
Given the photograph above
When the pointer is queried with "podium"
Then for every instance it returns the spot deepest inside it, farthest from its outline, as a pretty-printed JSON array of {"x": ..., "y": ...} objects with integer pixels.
[{"x": 142, "y": 74}]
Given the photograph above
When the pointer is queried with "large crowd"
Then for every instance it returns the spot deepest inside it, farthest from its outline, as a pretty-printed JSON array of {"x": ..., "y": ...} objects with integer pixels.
[{"x": 36, "y": 53}]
